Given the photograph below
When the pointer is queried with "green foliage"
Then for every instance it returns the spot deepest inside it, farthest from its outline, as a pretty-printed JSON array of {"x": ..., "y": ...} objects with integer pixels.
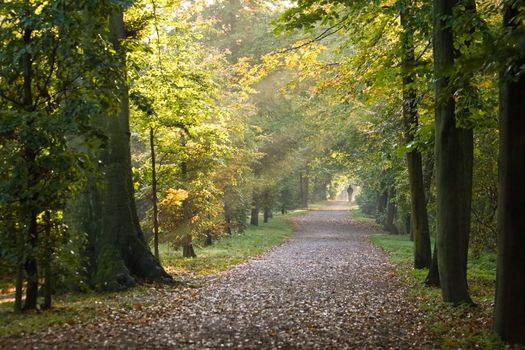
[{"x": 54, "y": 73}]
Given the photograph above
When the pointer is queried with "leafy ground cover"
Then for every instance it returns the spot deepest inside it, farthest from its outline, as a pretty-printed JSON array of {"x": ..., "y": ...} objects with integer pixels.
[
  {"x": 451, "y": 327},
  {"x": 230, "y": 250},
  {"x": 79, "y": 307},
  {"x": 325, "y": 287}
]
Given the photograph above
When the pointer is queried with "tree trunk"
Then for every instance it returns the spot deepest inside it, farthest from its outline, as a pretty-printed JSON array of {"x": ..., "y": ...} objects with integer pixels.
[
  {"x": 31, "y": 267},
  {"x": 47, "y": 263},
  {"x": 454, "y": 157},
  {"x": 391, "y": 210},
  {"x": 382, "y": 200},
  {"x": 19, "y": 285},
  {"x": 301, "y": 189},
  {"x": 187, "y": 249},
  {"x": 154, "y": 199},
  {"x": 267, "y": 212},
  {"x": 29, "y": 258},
  {"x": 432, "y": 279},
  {"x": 119, "y": 249},
  {"x": 254, "y": 217},
  {"x": 209, "y": 238},
  {"x": 306, "y": 190},
  {"x": 509, "y": 310},
  {"x": 418, "y": 208}
]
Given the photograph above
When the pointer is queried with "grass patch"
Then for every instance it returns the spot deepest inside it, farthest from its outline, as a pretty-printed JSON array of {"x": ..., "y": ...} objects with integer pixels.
[
  {"x": 451, "y": 327},
  {"x": 230, "y": 250}
]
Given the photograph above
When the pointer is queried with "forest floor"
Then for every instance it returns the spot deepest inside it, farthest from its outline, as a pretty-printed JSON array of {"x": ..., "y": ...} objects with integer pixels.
[{"x": 326, "y": 287}]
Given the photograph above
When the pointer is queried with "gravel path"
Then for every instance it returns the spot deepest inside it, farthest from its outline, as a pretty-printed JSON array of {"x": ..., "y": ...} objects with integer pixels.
[{"x": 326, "y": 288}]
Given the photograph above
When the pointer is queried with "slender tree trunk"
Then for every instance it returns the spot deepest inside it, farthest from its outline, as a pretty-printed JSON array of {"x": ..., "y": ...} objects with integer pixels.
[
  {"x": 47, "y": 263},
  {"x": 382, "y": 200},
  {"x": 19, "y": 275},
  {"x": 29, "y": 258},
  {"x": 188, "y": 251},
  {"x": 432, "y": 279},
  {"x": 509, "y": 310},
  {"x": 306, "y": 192},
  {"x": 418, "y": 208},
  {"x": 266, "y": 214},
  {"x": 391, "y": 210},
  {"x": 428, "y": 175},
  {"x": 254, "y": 216},
  {"x": 31, "y": 267},
  {"x": 209, "y": 238},
  {"x": 454, "y": 157},
  {"x": 301, "y": 188},
  {"x": 154, "y": 199}
]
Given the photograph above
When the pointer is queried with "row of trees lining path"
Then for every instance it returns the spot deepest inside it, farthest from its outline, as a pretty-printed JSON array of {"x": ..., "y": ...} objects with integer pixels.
[{"x": 326, "y": 287}]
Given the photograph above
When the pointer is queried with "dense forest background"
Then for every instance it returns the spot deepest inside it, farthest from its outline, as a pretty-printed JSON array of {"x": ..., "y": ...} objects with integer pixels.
[{"x": 130, "y": 127}]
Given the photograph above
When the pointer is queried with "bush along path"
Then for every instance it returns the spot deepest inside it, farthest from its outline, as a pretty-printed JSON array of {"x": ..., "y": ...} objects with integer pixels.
[{"x": 326, "y": 287}]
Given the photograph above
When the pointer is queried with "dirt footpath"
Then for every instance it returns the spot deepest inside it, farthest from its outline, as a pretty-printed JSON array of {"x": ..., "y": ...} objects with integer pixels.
[{"x": 325, "y": 288}]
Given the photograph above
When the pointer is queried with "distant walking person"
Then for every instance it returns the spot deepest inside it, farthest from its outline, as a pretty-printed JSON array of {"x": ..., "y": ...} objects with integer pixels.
[{"x": 350, "y": 191}]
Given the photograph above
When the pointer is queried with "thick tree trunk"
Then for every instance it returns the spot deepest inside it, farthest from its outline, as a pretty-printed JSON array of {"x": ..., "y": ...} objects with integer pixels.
[
  {"x": 119, "y": 249},
  {"x": 509, "y": 310},
  {"x": 454, "y": 157},
  {"x": 418, "y": 208},
  {"x": 154, "y": 200}
]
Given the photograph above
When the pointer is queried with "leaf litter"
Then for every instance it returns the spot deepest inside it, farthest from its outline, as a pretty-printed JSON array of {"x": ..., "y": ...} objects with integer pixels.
[{"x": 325, "y": 288}]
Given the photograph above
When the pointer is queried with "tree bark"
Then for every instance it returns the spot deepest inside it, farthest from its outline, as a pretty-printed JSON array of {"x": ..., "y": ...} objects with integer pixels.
[
  {"x": 432, "y": 279},
  {"x": 509, "y": 310},
  {"x": 382, "y": 200},
  {"x": 454, "y": 158},
  {"x": 47, "y": 263},
  {"x": 418, "y": 208},
  {"x": 187, "y": 249},
  {"x": 30, "y": 261},
  {"x": 391, "y": 210},
  {"x": 31, "y": 266},
  {"x": 120, "y": 252},
  {"x": 154, "y": 199},
  {"x": 267, "y": 212},
  {"x": 254, "y": 216}
]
